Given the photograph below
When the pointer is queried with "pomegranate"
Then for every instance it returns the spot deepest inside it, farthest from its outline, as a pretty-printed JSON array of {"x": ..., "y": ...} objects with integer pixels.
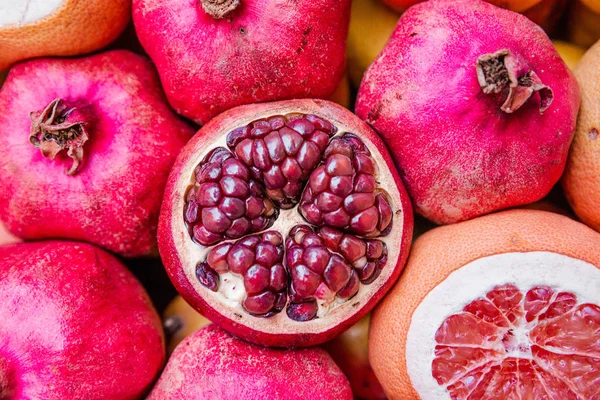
[
  {"x": 213, "y": 55},
  {"x": 76, "y": 324},
  {"x": 474, "y": 125},
  {"x": 284, "y": 223},
  {"x": 88, "y": 146},
  {"x": 211, "y": 364},
  {"x": 350, "y": 351}
]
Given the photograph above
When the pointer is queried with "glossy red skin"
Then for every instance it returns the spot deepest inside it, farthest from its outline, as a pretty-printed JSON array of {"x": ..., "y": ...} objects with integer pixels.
[
  {"x": 169, "y": 251},
  {"x": 114, "y": 199},
  {"x": 264, "y": 50},
  {"x": 461, "y": 156},
  {"x": 76, "y": 324},
  {"x": 211, "y": 364}
]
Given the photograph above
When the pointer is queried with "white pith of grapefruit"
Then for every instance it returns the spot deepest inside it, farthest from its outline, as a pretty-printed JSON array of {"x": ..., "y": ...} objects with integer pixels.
[
  {"x": 21, "y": 12},
  {"x": 473, "y": 281}
]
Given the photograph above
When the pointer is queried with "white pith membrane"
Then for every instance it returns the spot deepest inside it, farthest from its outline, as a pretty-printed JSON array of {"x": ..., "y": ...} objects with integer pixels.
[
  {"x": 21, "y": 12},
  {"x": 231, "y": 293},
  {"x": 473, "y": 281}
]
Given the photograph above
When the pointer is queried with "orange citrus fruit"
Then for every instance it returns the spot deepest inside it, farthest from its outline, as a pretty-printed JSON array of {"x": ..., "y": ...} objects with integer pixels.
[
  {"x": 581, "y": 179},
  {"x": 58, "y": 27},
  {"x": 505, "y": 306}
]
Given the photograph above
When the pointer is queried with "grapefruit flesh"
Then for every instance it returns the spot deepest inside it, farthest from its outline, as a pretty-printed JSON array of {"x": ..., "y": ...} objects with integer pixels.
[{"x": 514, "y": 345}]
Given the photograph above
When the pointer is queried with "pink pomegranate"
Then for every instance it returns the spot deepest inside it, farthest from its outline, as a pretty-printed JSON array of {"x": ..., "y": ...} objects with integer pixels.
[
  {"x": 213, "y": 55},
  {"x": 88, "y": 145},
  {"x": 76, "y": 324},
  {"x": 284, "y": 223},
  {"x": 211, "y": 364},
  {"x": 476, "y": 106}
]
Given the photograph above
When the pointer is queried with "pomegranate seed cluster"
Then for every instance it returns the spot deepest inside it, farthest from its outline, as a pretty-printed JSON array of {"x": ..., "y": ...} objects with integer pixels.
[
  {"x": 281, "y": 152},
  {"x": 274, "y": 164},
  {"x": 225, "y": 203}
]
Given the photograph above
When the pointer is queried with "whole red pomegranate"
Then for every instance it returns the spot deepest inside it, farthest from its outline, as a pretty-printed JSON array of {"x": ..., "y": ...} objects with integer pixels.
[
  {"x": 211, "y": 364},
  {"x": 284, "y": 223},
  {"x": 76, "y": 324},
  {"x": 213, "y": 55},
  {"x": 89, "y": 144},
  {"x": 476, "y": 105}
]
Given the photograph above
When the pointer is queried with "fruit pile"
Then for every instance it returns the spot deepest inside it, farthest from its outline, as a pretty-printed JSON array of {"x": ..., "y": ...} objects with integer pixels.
[{"x": 325, "y": 199}]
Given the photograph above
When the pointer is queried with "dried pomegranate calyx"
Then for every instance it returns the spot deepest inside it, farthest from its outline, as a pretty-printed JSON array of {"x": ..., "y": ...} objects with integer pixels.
[
  {"x": 56, "y": 128},
  {"x": 502, "y": 71},
  {"x": 219, "y": 9}
]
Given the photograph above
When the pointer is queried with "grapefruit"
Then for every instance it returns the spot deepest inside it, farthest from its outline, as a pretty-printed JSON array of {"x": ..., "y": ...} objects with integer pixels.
[
  {"x": 582, "y": 179},
  {"x": 505, "y": 306},
  {"x": 58, "y": 27}
]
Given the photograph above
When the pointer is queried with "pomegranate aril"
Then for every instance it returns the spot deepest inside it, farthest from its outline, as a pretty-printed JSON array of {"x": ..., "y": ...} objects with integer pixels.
[
  {"x": 341, "y": 185},
  {"x": 260, "y": 128},
  {"x": 277, "y": 122},
  {"x": 351, "y": 288},
  {"x": 238, "y": 228},
  {"x": 260, "y": 303},
  {"x": 256, "y": 279},
  {"x": 208, "y": 194},
  {"x": 357, "y": 202},
  {"x": 365, "y": 222},
  {"x": 207, "y": 277},
  {"x": 367, "y": 272},
  {"x": 233, "y": 167},
  {"x": 305, "y": 281},
  {"x": 337, "y": 273},
  {"x": 240, "y": 258},
  {"x": 267, "y": 254},
  {"x": 302, "y": 312},
  {"x": 217, "y": 258},
  {"x": 205, "y": 237},
  {"x": 191, "y": 212},
  {"x": 338, "y": 218},
  {"x": 316, "y": 258},
  {"x": 339, "y": 165},
  {"x": 309, "y": 155},
  {"x": 278, "y": 279},
  {"x": 352, "y": 248},
  {"x": 319, "y": 180},
  {"x": 215, "y": 220},
  {"x": 385, "y": 212},
  {"x": 291, "y": 170},
  {"x": 233, "y": 186},
  {"x": 291, "y": 141},
  {"x": 274, "y": 178},
  {"x": 233, "y": 208},
  {"x": 364, "y": 184},
  {"x": 327, "y": 202},
  {"x": 303, "y": 126}
]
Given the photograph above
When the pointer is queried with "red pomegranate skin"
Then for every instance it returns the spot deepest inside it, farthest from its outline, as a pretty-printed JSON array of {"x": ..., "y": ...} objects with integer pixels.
[
  {"x": 76, "y": 324},
  {"x": 168, "y": 244},
  {"x": 114, "y": 197},
  {"x": 264, "y": 50},
  {"x": 459, "y": 154},
  {"x": 212, "y": 364}
]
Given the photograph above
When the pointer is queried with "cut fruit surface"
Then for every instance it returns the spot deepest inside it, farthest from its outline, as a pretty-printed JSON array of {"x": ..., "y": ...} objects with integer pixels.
[
  {"x": 285, "y": 222},
  {"x": 514, "y": 314}
]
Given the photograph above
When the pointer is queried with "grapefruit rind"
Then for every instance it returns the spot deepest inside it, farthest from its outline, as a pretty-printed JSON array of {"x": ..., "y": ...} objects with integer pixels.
[{"x": 474, "y": 280}]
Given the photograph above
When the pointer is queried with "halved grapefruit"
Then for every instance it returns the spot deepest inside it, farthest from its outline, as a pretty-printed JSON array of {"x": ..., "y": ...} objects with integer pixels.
[{"x": 506, "y": 306}]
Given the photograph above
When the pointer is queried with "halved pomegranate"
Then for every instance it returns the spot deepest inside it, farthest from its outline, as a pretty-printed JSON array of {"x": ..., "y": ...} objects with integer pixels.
[{"x": 286, "y": 222}]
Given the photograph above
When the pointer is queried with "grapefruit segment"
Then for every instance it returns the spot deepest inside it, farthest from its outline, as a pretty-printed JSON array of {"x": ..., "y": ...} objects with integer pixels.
[{"x": 512, "y": 345}]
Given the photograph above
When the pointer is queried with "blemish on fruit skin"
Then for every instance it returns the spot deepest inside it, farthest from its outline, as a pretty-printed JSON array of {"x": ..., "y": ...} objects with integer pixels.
[{"x": 593, "y": 134}]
